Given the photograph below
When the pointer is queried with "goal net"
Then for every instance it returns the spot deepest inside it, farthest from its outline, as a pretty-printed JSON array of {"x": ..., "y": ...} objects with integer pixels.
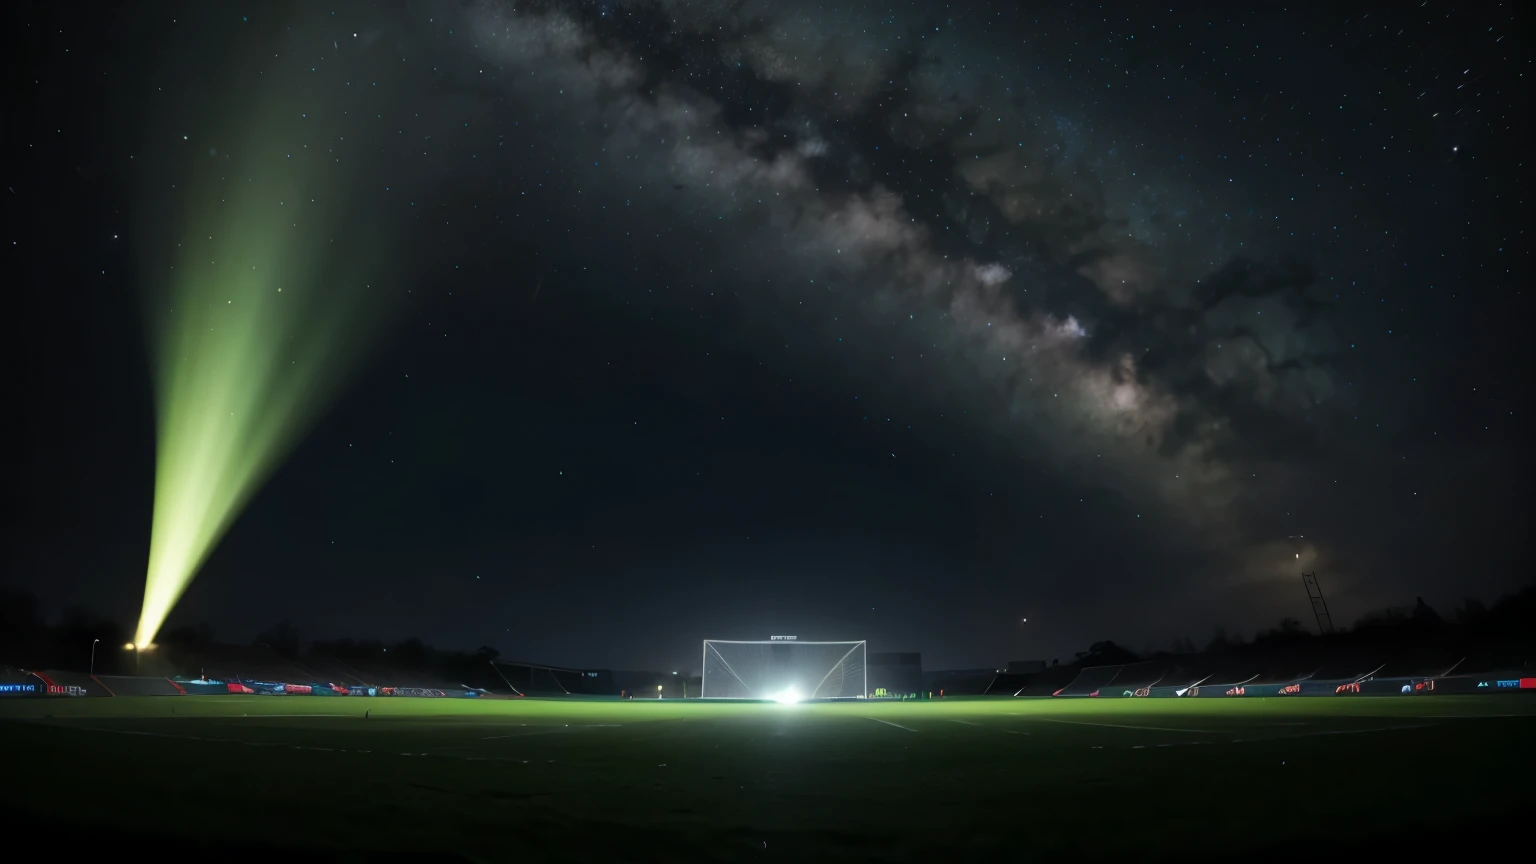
[
  {"x": 784, "y": 671},
  {"x": 533, "y": 679}
]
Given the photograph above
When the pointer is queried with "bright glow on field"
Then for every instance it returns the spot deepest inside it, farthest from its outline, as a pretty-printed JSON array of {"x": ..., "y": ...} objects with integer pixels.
[
  {"x": 265, "y": 305},
  {"x": 788, "y": 697}
]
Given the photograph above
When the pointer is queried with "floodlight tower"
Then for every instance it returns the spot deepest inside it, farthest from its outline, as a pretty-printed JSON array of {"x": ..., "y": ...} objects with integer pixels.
[
  {"x": 1315, "y": 594},
  {"x": 1319, "y": 605}
]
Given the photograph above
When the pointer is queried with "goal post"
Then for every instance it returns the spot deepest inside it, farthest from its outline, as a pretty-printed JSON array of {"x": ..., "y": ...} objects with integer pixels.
[
  {"x": 527, "y": 679},
  {"x": 784, "y": 671}
]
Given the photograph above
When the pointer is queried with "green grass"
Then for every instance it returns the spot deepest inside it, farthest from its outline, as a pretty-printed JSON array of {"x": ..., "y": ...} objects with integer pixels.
[{"x": 1004, "y": 779}]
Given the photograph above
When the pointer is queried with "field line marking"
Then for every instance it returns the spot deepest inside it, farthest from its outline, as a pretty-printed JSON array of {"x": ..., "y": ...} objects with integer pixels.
[
  {"x": 236, "y": 716},
  {"x": 1333, "y": 732},
  {"x": 982, "y": 726},
  {"x": 889, "y": 723},
  {"x": 1137, "y": 728},
  {"x": 104, "y": 731},
  {"x": 520, "y": 735},
  {"x": 1456, "y": 716},
  {"x": 553, "y": 730},
  {"x": 154, "y": 719}
]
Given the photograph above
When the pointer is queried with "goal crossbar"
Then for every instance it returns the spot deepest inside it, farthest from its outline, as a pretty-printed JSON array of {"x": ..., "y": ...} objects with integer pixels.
[
  {"x": 785, "y": 669},
  {"x": 781, "y": 642}
]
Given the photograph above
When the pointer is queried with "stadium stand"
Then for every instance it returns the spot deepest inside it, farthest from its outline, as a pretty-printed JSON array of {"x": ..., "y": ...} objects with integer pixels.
[
  {"x": 233, "y": 662},
  {"x": 1048, "y": 681},
  {"x": 1176, "y": 680},
  {"x": 1220, "y": 676},
  {"x": 58, "y": 683},
  {"x": 1347, "y": 669},
  {"x": 1237, "y": 675},
  {"x": 1279, "y": 673},
  {"x": 959, "y": 682},
  {"x": 1112, "y": 680},
  {"x": 12, "y": 675},
  {"x": 537, "y": 679},
  {"x": 16, "y": 683},
  {"x": 1044, "y": 682},
  {"x": 1138, "y": 679},
  {"x": 1419, "y": 667},
  {"x": 336, "y": 671},
  {"x": 127, "y": 685},
  {"x": 1007, "y": 683},
  {"x": 635, "y": 683},
  {"x": 375, "y": 674},
  {"x": 1483, "y": 663}
]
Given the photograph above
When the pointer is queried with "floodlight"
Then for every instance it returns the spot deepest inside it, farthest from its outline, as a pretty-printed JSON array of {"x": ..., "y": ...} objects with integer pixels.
[
  {"x": 128, "y": 647},
  {"x": 788, "y": 697}
]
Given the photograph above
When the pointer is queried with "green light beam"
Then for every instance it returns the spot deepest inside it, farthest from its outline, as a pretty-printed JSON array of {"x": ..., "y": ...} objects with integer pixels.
[{"x": 266, "y": 309}]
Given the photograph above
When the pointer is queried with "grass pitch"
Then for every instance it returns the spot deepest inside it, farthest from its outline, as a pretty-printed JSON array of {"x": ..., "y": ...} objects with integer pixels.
[{"x": 958, "y": 780}]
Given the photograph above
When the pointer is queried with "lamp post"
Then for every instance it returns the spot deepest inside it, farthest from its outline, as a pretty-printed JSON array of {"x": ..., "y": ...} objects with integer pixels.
[{"x": 93, "y": 656}]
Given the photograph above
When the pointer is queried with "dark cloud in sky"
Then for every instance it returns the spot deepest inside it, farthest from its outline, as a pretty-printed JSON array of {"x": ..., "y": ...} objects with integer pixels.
[{"x": 961, "y": 314}]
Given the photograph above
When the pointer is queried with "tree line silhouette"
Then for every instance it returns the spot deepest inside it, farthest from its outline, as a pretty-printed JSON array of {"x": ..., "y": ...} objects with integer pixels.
[{"x": 1503, "y": 629}]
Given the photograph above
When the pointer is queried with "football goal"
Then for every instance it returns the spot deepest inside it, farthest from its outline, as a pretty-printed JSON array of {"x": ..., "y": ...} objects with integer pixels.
[
  {"x": 784, "y": 671},
  {"x": 534, "y": 679}
]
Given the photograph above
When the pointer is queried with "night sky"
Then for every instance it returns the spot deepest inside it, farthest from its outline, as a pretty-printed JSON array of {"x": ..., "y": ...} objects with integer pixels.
[{"x": 890, "y": 321}]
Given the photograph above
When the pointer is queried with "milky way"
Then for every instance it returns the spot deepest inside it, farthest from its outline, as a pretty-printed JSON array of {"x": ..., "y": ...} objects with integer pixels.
[{"x": 1115, "y": 335}]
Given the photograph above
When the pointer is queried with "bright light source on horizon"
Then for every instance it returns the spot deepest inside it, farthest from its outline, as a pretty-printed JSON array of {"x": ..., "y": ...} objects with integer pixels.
[
  {"x": 788, "y": 697},
  {"x": 128, "y": 647}
]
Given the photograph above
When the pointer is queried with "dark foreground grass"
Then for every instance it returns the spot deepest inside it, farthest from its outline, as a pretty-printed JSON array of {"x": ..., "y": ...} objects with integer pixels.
[{"x": 1004, "y": 780}]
